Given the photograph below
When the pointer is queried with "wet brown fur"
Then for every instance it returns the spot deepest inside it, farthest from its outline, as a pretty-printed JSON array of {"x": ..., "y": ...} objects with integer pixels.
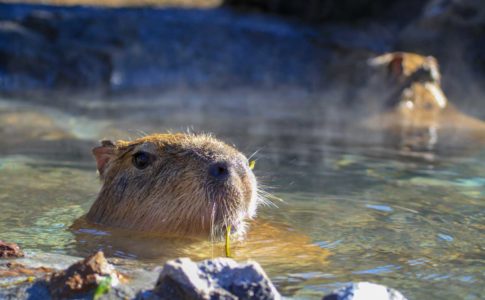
[
  {"x": 418, "y": 103},
  {"x": 174, "y": 195}
]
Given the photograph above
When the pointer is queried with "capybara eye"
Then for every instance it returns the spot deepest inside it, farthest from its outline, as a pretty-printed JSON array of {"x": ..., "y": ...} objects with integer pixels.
[{"x": 141, "y": 160}]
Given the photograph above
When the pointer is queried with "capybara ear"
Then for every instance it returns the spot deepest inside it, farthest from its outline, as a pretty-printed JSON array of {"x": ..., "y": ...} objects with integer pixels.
[
  {"x": 396, "y": 66},
  {"x": 103, "y": 154},
  {"x": 393, "y": 61}
]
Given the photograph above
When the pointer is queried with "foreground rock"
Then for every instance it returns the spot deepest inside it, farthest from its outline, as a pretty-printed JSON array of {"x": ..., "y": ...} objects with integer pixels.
[
  {"x": 83, "y": 277},
  {"x": 9, "y": 250},
  {"x": 220, "y": 278},
  {"x": 36, "y": 278},
  {"x": 364, "y": 291}
]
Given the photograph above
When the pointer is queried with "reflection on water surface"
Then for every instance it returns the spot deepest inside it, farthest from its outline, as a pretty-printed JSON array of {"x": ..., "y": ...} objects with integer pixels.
[{"x": 354, "y": 209}]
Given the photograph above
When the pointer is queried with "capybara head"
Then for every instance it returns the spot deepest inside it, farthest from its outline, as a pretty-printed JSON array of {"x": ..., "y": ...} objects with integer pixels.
[
  {"x": 417, "y": 77},
  {"x": 402, "y": 66},
  {"x": 175, "y": 184}
]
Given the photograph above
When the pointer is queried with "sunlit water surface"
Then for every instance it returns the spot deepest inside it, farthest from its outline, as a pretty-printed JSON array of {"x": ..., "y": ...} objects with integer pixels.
[{"x": 349, "y": 211}]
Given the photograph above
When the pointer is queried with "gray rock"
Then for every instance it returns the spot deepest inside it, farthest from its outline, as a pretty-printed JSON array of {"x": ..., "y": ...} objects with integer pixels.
[
  {"x": 365, "y": 291},
  {"x": 39, "y": 290},
  {"x": 36, "y": 291},
  {"x": 220, "y": 278},
  {"x": 18, "y": 287}
]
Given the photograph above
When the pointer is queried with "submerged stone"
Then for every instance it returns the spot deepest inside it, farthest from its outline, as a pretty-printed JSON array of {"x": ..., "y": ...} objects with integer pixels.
[
  {"x": 364, "y": 291},
  {"x": 10, "y": 250},
  {"x": 220, "y": 278},
  {"x": 14, "y": 269}
]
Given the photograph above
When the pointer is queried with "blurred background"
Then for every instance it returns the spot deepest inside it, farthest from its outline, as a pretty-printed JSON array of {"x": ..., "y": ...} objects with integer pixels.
[
  {"x": 199, "y": 63},
  {"x": 287, "y": 79}
]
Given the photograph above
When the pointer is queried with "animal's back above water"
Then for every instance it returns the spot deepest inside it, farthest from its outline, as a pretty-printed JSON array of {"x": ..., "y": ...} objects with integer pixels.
[
  {"x": 419, "y": 109},
  {"x": 273, "y": 244}
]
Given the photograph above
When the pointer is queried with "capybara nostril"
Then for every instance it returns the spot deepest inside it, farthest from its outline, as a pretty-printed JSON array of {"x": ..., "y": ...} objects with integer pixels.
[{"x": 219, "y": 171}]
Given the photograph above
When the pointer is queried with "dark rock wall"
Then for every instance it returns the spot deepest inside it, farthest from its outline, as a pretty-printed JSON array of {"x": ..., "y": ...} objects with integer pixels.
[
  {"x": 272, "y": 46},
  {"x": 331, "y": 10},
  {"x": 129, "y": 49}
]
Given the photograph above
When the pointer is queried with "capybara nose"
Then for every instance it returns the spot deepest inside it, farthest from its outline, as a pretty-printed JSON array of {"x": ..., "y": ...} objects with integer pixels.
[{"x": 219, "y": 171}]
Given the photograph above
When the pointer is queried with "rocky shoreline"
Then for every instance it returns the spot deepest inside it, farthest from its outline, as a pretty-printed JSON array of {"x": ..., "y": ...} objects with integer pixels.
[{"x": 96, "y": 278}]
